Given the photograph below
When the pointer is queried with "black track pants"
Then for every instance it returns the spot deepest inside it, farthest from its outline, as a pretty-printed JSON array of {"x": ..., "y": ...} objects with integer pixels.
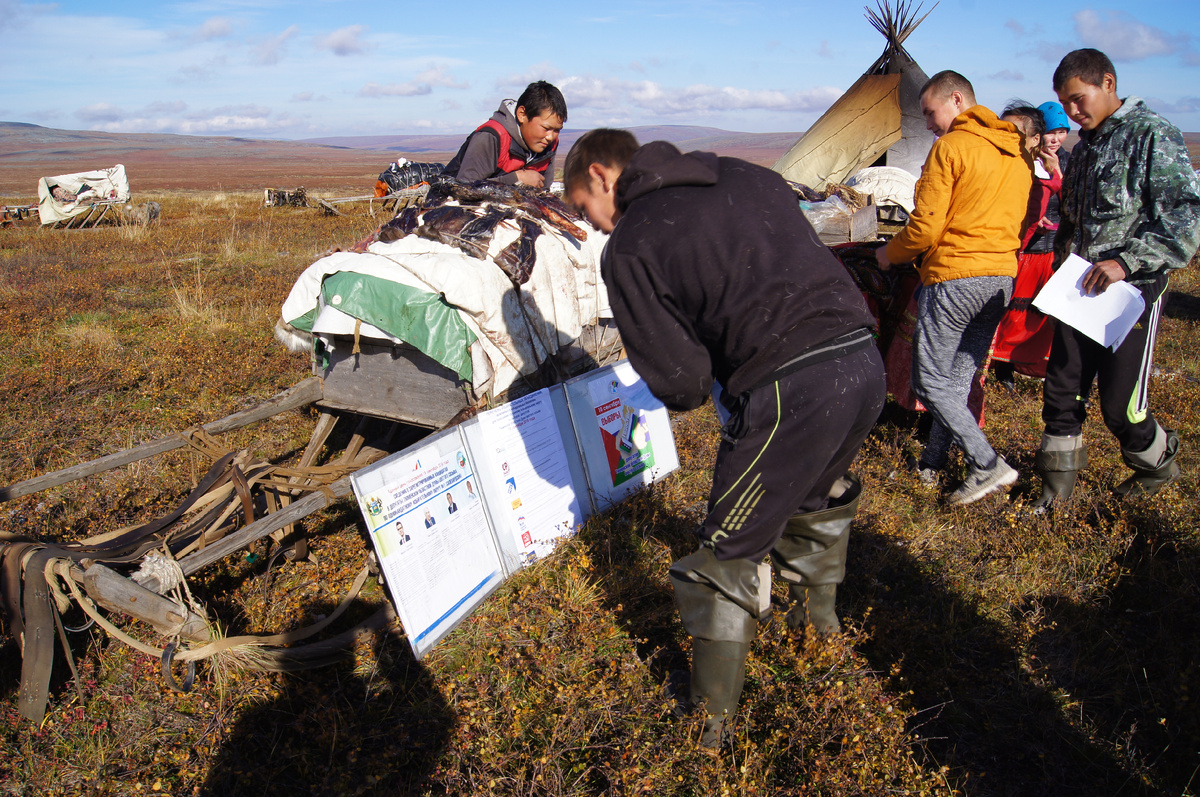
[
  {"x": 802, "y": 434},
  {"x": 1122, "y": 378}
]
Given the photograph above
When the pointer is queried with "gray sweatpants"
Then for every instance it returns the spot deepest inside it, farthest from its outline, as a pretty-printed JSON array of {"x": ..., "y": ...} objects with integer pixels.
[{"x": 956, "y": 321}]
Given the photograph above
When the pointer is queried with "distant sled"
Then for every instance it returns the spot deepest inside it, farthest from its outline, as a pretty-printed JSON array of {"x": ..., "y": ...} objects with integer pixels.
[{"x": 83, "y": 199}]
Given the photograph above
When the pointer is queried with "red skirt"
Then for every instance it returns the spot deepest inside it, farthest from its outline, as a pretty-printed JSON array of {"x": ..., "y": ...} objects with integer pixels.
[{"x": 1025, "y": 333}]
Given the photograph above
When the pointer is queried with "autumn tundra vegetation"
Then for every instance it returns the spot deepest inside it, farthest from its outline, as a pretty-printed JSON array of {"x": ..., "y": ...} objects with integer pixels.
[{"x": 986, "y": 650}]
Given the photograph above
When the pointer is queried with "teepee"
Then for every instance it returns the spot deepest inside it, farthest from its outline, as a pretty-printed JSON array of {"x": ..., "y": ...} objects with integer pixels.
[{"x": 878, "y": 121}]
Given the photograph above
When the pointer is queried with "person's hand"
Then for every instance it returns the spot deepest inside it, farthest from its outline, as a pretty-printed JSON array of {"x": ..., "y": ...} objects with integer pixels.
[
  {"x": 1050, "y": 161},
  {"x": 530, "y": 178},
  {"x": 1101, "y": 275},
  {"x": 881, "y": 257}
]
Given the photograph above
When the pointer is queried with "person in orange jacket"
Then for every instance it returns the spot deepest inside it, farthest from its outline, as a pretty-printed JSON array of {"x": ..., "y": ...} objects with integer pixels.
[{"x": 965, "y": 230}]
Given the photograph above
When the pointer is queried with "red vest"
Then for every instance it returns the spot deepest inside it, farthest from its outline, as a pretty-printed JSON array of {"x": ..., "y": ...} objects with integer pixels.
[{"x": 506, "y": 162}]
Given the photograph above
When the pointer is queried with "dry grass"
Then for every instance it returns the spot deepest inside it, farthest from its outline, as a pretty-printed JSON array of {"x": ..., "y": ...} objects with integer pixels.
[{"x": 988, "y": 652}]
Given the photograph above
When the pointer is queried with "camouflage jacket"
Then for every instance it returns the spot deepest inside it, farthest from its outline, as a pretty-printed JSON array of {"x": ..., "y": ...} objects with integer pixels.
[{"x": 1130, "y": 195}]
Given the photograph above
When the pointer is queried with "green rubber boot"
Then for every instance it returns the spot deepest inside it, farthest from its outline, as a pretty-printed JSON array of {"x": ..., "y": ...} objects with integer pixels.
[
  {"x": 815, "y": 606},
  {"x": 1059, "y": 461},
  {"x": 718, "y": 674},
  {"x": 719, "y": 603},
  {"x": 811, "y": 557},
  {"x": 1154, "y": 468}
]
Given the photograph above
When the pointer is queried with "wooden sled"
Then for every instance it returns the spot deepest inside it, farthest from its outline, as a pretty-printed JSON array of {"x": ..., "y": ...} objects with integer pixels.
[
  {"x": 394, "y": 394},
  {"x": 95, "y": 213}
]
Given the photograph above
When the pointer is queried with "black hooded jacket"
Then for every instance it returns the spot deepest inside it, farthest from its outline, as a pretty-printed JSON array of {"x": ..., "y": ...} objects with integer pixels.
[{"x": 713, "y": 271}]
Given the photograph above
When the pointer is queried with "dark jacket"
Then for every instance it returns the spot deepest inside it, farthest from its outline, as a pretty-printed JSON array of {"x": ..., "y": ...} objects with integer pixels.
[
  {"x": 1130, "y": 195},
  {"x": 479, "y": 156},
  {"x": 713, "y": 271}
]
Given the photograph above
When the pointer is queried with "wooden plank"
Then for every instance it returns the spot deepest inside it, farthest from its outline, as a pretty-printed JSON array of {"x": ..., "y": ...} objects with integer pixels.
[
  {"x": 264, "y": 526},
  {"x": 864, "y": 224},
  {"x": 300, "y": 395},
  {"x": 119, "y": 594},
  {"x": 397, "y": 382}
]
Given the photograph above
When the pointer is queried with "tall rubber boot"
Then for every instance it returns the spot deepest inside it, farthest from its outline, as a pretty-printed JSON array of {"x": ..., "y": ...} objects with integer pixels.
[
  {"x": 811, "y": 557},
  {"x": 718, "y": 674},
  {"x": 1154, "y": 468},
  {"x": 719, "y": 603},
  {"x": 1059, "y": 460}
]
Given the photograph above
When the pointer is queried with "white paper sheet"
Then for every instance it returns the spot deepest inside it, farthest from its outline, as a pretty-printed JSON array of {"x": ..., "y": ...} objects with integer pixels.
[
  {"x": 529, "y": 480},
  {"x": 1105, "y": 318}
]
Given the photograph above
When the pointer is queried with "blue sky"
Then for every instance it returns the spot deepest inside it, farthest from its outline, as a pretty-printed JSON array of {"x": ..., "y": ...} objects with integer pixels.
[{"x": 274, "y": 69}]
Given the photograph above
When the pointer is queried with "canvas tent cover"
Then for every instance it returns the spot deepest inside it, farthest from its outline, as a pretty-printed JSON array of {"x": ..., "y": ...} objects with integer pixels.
[
  {"x": 79, "y": 192},
  {"x": 459, "y": 310},
  {"x": 878, "y": 117}
]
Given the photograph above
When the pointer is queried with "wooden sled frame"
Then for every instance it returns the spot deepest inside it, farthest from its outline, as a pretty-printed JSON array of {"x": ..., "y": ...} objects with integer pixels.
[
  {"x": 393, "y": 202},
  {"x": 92, "y": 584},
  {"x": 96, "y": 213}
]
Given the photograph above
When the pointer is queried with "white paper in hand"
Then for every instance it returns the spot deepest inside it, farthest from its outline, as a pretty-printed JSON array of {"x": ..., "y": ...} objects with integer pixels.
[{"x": 1105, "y": 318}]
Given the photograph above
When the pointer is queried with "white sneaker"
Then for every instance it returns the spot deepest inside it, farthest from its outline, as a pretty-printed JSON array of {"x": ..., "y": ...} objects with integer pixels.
[{"x": 980, "y": 483}]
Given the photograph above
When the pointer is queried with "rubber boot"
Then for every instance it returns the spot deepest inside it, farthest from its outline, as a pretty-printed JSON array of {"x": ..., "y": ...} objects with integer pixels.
[
  {"x": 1059, "y": 461},
  {"x": 811, "y": 557},
  {"x": 1154, "y": 468},
  {"x": 718, "y": 674},
  {"x": 814, "y": 606},
  {"x": 719, "y": 603}
]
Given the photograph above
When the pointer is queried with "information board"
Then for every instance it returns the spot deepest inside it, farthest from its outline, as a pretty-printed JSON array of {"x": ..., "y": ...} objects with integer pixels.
[
  {"x": 455, "y": 514},
  {"x": 431, "y": 533}
]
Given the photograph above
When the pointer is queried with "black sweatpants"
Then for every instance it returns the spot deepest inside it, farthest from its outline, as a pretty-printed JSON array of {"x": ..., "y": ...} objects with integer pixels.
[
  {"x": 801, "y": 435},
  {"x": 1122, "y": 377}
]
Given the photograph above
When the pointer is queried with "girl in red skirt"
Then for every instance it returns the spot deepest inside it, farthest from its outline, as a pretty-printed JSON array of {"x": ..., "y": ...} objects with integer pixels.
[{"x": 1022, "y": 342}]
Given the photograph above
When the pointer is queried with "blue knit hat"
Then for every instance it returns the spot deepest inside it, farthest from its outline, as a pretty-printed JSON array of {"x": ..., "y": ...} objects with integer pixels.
[{"x": 1055, "y": 116}]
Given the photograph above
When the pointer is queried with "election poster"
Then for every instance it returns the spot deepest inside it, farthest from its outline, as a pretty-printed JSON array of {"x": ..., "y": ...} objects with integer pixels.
[
  {"x": 430, "y": 530},
  {"x": 623, "y": 431}
]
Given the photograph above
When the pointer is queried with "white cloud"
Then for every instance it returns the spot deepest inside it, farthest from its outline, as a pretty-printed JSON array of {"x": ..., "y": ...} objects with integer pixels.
[
  {"x": 1122, "y": 37},
  {"x": 1007, "y": 74},
  {"x": 519, "y": 80},
  {"x": 422, "y": 84},
  {"x": 99, "y": 113},
  {"x": 270, "y": 51},
  {"x": 1182, "y": 105},
  {"x": 344, "y": 41},
  {"x": 607, "y": 94},
  {"x": 213, "y": 28},
  {"x": 178, "y": 106},
  {"x": 231, "y": 119},
  {"x": 308, "y": 96},
  {"x": 200, "y": 72},
  {"x": 1049, "y": 52}
]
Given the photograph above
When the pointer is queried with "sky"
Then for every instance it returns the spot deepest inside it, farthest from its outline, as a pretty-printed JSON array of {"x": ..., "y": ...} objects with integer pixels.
[{"x": 296, "y": 69}]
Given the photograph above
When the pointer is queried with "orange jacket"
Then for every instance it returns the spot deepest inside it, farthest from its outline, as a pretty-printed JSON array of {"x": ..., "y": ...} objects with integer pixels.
[{"x": 970, "y": 202}]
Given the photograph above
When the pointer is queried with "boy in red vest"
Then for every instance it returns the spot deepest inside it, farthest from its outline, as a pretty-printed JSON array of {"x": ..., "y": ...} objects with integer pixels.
[{"x": 517, "y": 145}]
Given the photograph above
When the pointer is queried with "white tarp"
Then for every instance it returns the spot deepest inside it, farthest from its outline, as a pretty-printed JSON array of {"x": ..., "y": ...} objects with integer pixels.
[
  {"x": 78, "y": 192},
  {"x": 514, "y": 328},
  {"x": 889, "y": 185}
]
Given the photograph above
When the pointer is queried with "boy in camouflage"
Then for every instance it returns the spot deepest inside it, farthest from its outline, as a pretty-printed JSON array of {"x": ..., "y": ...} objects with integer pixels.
[{"x": 1131, "y": 207}]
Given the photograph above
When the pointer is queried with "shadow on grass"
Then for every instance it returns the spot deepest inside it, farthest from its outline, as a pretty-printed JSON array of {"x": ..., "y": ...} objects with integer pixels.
[
  {"x": 1182, "y": 306},
  {"x": 631, "y": 547},
  {"x": 375, "y": 729},
  {"x": 1072, "y": 718},
  {"x": 1131, "y": 664}
]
